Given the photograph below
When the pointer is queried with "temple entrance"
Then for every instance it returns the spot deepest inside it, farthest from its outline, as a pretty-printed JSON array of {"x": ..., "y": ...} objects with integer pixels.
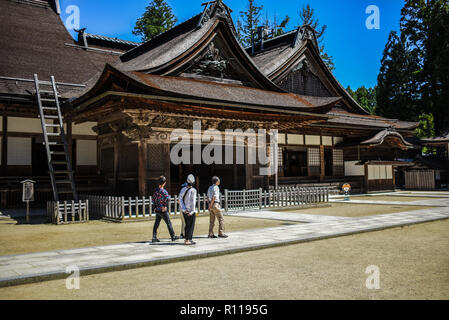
[
  {"x": 328, "y": 163},
  {"x": 295, "y": 163},
  {"x": 39, "y": 158}
]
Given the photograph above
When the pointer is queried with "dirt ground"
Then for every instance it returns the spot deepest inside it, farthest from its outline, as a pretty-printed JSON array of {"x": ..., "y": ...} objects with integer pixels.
[
  {"x": 356, "y": 210},
  {"x": 413, "y": 264},
  {"x": 16, "y": 238},
  {"x": 393, "y": 198}
]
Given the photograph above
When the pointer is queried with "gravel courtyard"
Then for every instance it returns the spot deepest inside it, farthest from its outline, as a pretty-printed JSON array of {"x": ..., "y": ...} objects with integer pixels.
[
  {"x": 413, "y": 263},
  {"x": 22, "y": 238}
]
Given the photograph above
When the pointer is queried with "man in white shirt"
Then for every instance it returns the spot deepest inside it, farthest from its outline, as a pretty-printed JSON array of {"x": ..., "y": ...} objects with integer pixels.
[
  {"x": 213, "y": 195},
  {"x": 187, "y": 203}
]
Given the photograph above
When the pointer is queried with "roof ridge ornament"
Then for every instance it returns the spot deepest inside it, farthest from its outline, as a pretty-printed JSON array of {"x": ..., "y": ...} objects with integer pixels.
[
  {"x": 306, "y": 32},
  {"x": 216, "y": 8}
]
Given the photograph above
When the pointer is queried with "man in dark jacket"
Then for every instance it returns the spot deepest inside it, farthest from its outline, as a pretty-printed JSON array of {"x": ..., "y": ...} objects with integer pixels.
[{"x": 161, "y": 201}]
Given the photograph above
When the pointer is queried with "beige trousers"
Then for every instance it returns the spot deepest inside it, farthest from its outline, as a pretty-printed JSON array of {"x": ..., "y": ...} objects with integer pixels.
[{"x": 215, "y": 213}]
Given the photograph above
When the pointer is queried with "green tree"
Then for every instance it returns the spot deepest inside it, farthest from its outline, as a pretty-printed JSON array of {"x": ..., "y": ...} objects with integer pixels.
[
  {"x": 426, "y": 127},
  {"x": 425, "y": 26},
  {"x": 276, "y": 28},
  {"x": 397, "y": 90},
  {"x": 248, "y": 22},
  {"x": 157, "y": 19},
  {"x": 307, "y": 16},
  {"x": 366, "y": 97}
]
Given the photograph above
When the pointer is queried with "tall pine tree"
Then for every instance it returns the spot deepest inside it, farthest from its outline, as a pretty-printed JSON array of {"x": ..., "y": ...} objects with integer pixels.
[
  {"x": 425, "y": 26},
  {"x": 248, "y": 22},
  {"x": 307, "y": 16},
  {"x": 157, "y": 19},
  {"x": 396, "y": 86}
]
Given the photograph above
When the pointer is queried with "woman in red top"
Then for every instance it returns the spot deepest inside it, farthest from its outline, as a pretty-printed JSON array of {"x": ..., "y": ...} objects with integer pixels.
[{"x": 161, "y": 201}]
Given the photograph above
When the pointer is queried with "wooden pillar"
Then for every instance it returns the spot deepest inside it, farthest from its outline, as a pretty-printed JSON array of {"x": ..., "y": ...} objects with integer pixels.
[
  {"x": 365, "y": 187},
  {"x": 70, "y": 141},
  {"x": 116, "y": 165},
  {"x": 142, "y": 167},
  {"x": 248, "y": 171},
  {"x": 393, "y": 176},
  {"x": 322, "y": 163},
  {"x": 4, "y": 145},
  {"x": 167, "y": 165}
]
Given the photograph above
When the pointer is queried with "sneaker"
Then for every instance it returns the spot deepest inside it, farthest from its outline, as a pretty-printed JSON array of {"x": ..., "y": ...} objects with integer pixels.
[
  {"x": 175, "y": 238},
  {"x": 181, "y": 236},
  {"x": 156, "y": 240},
  {"x": 223, "y": 236},
  {"x": 212, "y": 237}
]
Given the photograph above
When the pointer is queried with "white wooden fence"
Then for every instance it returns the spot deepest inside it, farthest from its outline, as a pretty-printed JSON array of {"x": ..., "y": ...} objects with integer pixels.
[
  {"x": 140, "y": 208},
  {"x": 279, "y": 198},
  {"x": 135, "y": 208},
  {"x": 67, "y": 212}
]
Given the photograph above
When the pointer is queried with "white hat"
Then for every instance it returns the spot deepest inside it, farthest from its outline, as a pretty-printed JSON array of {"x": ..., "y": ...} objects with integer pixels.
[{"x": 191, "y": 179}]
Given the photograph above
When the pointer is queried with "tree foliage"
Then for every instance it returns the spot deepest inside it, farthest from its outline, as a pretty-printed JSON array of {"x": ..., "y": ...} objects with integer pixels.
[
  {"x": 307, "y": 16},
  {"x": 414, "y": 77},
  {"x": 366, "y": 97},
  {"x": 157, "y": 19},
  {"x": 397, "y": 88},
  {"x": 248, "y": 22}
]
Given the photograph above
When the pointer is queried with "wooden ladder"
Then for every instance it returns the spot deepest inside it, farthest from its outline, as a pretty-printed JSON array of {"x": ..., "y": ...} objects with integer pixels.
[{"x": 59, "y": 163}]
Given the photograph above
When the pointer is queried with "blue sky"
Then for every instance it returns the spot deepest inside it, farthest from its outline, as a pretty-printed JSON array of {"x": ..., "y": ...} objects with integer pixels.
[{"x": 356, "y": 50}]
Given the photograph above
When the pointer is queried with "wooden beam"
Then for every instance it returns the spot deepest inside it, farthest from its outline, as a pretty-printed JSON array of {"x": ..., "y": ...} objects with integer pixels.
[
  {"x": 4, "y": 145},
  {"x": 322, "y": 164},
  {"x": 142, "y": 166},
  {"x": 116, "y": 163},
  {"x": 70, "y": 142}
]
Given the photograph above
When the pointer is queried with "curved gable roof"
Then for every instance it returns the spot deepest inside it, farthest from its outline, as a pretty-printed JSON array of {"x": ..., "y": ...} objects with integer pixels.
[
  {"x": 177, "y": 49},
  {"x": 281, "y": 54}
]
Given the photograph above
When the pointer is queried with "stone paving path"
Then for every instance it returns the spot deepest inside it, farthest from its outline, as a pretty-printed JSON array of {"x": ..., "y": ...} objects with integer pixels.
[{"x": 37, "y": 267}]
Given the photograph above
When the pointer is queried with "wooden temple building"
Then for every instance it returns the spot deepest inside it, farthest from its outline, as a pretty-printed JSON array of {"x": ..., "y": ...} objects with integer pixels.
[{"x": 122, "y": 100}]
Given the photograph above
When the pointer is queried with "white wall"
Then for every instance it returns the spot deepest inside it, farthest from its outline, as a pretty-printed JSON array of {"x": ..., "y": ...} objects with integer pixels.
[
  {"x": 28, "y": 125},
  {"x": 84, "y": 129},
  {"x": 19, "y": 151},
  {"x": 86, "y": 152},
  {"x": 353, "y": 170},
  {"x": 313, "y": 140},
  {"x": 281, "y": 138},
  {"x": 327, "y": 141},
  {"x": 295, "y": 139}
]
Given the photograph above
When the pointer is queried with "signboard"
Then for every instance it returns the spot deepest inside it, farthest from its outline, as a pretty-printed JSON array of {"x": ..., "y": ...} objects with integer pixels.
[{"x": 28, "y": 190}]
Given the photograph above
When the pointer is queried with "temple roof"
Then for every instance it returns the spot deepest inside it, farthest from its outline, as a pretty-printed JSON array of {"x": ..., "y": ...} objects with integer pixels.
[
  {"x": 205, "y": 41},
  {"x": 387, "y": 137},
  {"x": 441, "y": 140},
  {"x": 282, "y": 54},
  {"x": 342, "y": 117},
  {"x": 201, "y": 92},
  {"x": 33, "y": 39}
]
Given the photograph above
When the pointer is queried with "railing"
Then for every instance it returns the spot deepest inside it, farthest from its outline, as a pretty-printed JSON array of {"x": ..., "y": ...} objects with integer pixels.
[
  {"x": 135, "y": 208},
  {"x": 68, "y": 212},
  {"x": 279, "y": 198},
  {"x": 139, "y": 208}
]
